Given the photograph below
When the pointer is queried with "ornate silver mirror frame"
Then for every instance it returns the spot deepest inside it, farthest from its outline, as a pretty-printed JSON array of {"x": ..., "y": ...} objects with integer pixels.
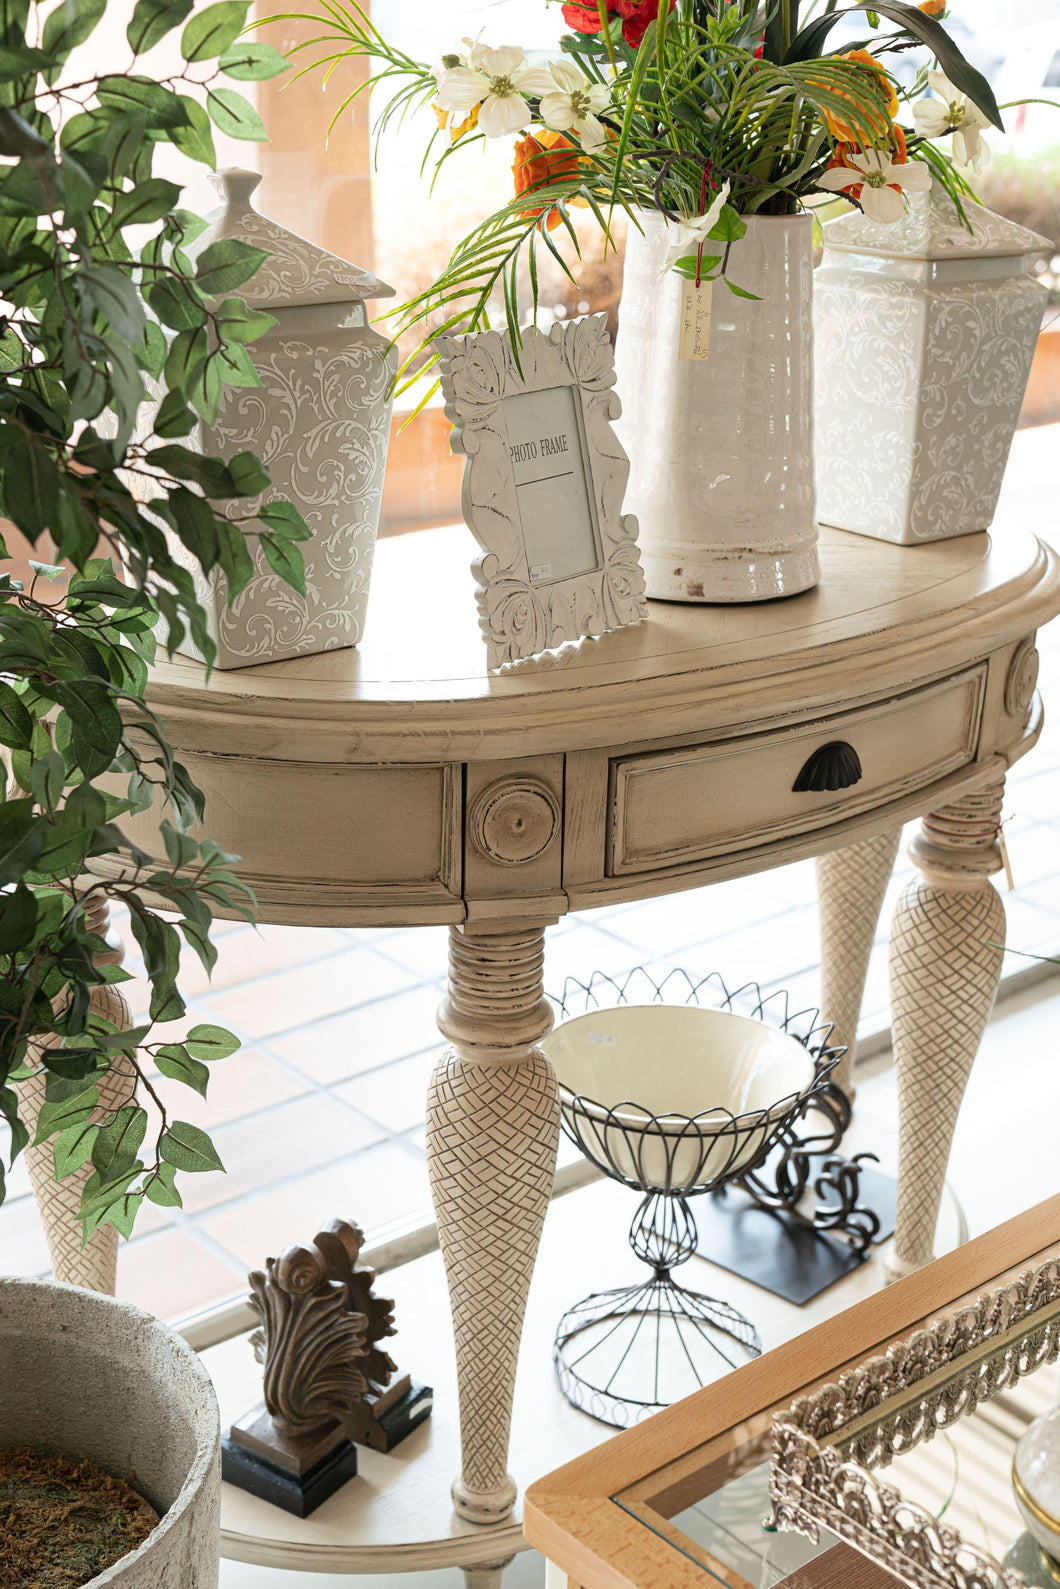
[
  {"x": 543, "y": 485},
  {"x": 826, "y": 1445}
]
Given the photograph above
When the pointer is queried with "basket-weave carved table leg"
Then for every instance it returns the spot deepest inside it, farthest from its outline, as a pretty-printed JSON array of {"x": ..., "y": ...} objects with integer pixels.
[
  {"x": 946, "y": 952},
  {"x": 93, "y": 1266},
  {"x": 492, "y": 1135},
  {"x": 851, "y": 884}
]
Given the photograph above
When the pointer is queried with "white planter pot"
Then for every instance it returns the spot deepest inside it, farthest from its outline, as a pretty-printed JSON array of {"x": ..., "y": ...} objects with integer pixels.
[
  {"x": 721, "y": 449},
  {"x": 84, "y": 1375}
]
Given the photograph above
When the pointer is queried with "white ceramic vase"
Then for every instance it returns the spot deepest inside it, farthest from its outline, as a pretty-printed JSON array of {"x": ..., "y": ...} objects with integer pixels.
[
  {"x": 84, "y": 1375},
  {"x": 721, "y": 448}
]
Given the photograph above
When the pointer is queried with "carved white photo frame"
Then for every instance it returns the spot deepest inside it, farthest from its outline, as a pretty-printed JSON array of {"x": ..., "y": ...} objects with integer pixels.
[{"x": 522, "y": 616}]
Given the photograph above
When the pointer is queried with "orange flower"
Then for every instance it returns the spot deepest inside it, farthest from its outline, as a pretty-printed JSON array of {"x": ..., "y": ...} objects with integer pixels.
[
  {"x": 548, "y": 157},
  {"x": 842, "y": 131},
  {"x": 933, "y": 8},
  {"x": 841, "y": 160}
]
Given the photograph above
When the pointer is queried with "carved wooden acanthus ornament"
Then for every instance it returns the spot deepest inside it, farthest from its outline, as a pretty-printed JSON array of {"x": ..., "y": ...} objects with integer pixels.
[{"x": 313, "y": 1342}]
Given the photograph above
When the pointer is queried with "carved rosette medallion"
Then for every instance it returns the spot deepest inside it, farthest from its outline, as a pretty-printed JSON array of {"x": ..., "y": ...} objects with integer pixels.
[
  {"x": 1022, "y": 679},
  {"x": 514, "y": 820}
]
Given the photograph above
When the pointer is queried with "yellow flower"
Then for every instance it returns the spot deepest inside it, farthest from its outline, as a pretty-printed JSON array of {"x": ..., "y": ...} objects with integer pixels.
[
  {"x": 933, "y": 8},
  {"x": 456, "y": 129}
]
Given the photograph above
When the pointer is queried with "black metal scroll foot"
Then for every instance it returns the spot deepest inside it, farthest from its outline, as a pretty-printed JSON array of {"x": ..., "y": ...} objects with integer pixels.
[{"x": 809, "y": 1182}]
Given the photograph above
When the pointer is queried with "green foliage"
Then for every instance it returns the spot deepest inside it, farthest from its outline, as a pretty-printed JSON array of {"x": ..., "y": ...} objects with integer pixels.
[
  {"x": 109, "y": 359},
  {"x": 715, "y": 91}
]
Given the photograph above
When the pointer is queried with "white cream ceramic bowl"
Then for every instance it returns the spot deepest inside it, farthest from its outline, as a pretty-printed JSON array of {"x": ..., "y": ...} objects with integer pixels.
[
  {"x": 1036, "y": 1481},
  {"x": 650, "y": 1092}
]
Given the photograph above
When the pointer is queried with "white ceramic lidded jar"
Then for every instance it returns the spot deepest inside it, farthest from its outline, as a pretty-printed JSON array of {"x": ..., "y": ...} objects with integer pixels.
[
  {"x": 924, "y": 333},
  {"x": 319, "y": 422}
]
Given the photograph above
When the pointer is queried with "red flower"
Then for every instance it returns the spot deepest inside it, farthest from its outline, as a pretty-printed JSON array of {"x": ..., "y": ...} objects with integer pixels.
[{"x": 636, "y": 16}]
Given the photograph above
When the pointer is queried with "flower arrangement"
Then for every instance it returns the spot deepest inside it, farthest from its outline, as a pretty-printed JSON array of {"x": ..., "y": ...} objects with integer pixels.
[{"x": 709, "y": 111}]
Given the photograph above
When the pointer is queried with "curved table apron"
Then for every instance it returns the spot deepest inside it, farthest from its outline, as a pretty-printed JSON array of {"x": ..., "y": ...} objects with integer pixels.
[{"x": 400, "y": 783}]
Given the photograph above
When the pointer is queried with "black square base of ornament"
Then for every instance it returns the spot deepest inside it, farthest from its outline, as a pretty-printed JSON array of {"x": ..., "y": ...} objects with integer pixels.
[
  {"x": 777, "y": 1253},
  {"x": 375, "y": 1422},
  {"x": 297, "y": 1493}
]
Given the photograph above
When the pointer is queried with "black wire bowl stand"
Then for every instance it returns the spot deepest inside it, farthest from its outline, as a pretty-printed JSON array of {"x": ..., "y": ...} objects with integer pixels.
[{"x": 618, "y": 1354}]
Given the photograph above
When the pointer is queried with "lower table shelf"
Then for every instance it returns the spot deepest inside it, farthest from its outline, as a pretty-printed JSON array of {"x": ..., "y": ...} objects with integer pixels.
[{"x": 396, "y": 1514}]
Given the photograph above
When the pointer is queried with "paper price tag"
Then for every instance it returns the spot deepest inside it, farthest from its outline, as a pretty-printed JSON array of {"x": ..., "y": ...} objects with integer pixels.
[{"x": 694, "y": 340}]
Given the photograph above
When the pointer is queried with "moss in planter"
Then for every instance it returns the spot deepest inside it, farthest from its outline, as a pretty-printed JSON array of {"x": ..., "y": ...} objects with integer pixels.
[{"x": 63, "y": 1521}]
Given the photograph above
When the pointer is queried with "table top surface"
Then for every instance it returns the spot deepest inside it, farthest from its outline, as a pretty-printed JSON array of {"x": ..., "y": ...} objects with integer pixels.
[{"x": 897, "y": 613}]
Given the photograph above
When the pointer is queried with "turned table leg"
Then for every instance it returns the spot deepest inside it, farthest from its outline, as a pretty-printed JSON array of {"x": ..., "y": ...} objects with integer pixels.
[
  {"x": 93, "y": 1266},
  {"x": 851, "y": 884},
  {"x": 946, "y": 952},
  {"x": 492, "y": 1135},
  {"x": 486, "y": 1575}
]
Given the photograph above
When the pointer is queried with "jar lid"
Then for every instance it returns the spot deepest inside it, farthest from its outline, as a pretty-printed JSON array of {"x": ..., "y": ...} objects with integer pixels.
[
  {"x": 932, "y": 229},
  {"x": 296, "y": 271}
]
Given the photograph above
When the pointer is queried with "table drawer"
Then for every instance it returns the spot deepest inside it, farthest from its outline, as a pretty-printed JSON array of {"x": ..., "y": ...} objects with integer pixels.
[{"x": 672, "y": 806}]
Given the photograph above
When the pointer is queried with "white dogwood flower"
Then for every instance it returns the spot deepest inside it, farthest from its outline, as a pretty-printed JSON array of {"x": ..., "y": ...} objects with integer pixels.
[
  {"x": 573, "y": 103},
  {"x": 496, "y": 82},
  {"x": 953, "y": 112},
  {"x": 876, "y": 182},
  {"x": 690, "y": 234}
]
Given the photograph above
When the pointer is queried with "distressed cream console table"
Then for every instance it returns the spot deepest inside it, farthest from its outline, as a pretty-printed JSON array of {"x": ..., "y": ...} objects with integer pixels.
[{"x": 401, "y": 783}]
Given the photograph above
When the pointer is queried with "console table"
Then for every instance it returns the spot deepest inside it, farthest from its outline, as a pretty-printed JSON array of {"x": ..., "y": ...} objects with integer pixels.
[{"x": 400, "y": 783}]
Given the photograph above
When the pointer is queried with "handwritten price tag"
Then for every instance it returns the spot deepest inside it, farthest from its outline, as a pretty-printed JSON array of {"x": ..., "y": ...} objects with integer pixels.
[{"x": 694, "y": 341}]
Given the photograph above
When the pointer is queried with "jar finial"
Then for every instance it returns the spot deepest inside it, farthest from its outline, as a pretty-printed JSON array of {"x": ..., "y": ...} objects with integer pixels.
[{"x": 234, "y": 186}]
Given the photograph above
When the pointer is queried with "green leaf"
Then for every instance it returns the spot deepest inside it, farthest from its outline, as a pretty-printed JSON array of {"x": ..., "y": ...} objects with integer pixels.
[
  {"x": 242, "y": 324},
  {"x": 196, "y": 525},
  {"x": 122, "y": 1214},
  {"x": 195, "y": 138},
  {"x": 174, "y": 417},
  {"x": 47, "y": 777},
  {"x": 117, "y": 1143},
  {"x": 247, "y": 474},
  {"x": 211, "y": 1042},
  {"x": 18, "y": 919},
  {"x": 29, "y": 484},
  {"x": 248, "y": 61},
  {"x": 161, "y": 1190},
  {"x": 729, "y": 227},
  {"x": 16, "y": 725},
  {"x": 70, "y": 24},
  {"x": 187, "y": 1148},
  {"x": 232, "y": 114},
  {"x": 143, "y": 97},
  {"x": 152, "y": 20},
  {"x": 21, "y": 841},
  {"x": 235, "y": 558},
  {"x": 108, "y": 289},
  {"x": 177, "y": 304},
  {"x": 285, "y": 560},
  {"x": 60, "y": 1113},
  {"x": 174, "y": 1061},
  {"x": 286, "y": 519},
  {"x": 740, "y": 292},
  {"x": 188, "y": 352},
  {"x": 227, "y": 264},
  {"x": 213, "y": 30},
  {"x": 73, "y": 1147},
  {"x": 150, "y": 201}
]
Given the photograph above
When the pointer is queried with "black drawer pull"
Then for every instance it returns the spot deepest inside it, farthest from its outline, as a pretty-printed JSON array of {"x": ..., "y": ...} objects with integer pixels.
[{"x": 834, "y": 766}]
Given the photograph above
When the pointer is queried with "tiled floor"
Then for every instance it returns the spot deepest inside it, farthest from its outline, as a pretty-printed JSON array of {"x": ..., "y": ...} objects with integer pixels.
[{"x": 321, "y": 1114}]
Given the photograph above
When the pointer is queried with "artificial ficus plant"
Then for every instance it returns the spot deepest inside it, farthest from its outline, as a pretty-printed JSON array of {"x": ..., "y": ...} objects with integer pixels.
[{"x": 108, "y": 360}]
